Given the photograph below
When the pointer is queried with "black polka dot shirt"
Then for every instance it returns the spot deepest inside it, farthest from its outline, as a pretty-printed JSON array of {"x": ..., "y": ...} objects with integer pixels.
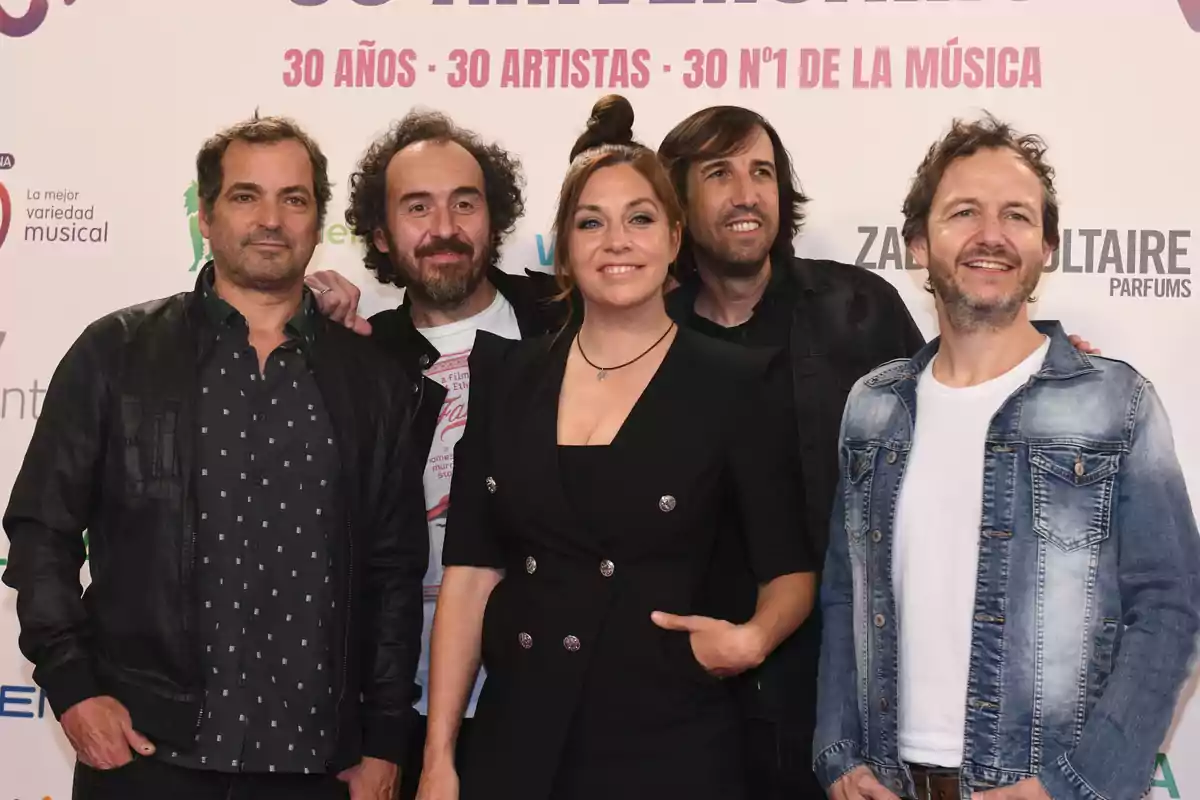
[{"x": 267, "y": 471}]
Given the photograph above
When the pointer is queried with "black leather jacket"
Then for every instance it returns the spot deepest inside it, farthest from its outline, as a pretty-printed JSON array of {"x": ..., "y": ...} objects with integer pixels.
[
  {"x": 113, "y": 454},
  {"x": 532, "y": 298}
]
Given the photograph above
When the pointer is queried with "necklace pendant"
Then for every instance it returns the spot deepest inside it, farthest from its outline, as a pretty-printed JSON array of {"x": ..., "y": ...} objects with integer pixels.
[{"x": 602, "y": 374}]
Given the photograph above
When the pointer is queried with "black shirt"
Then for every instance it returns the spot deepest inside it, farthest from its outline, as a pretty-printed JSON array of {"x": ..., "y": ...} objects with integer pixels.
[
  {"x": 836, "y": 322},
  {"x": 770, "y": 326},
  {"x": 732, "y": 583},
  {"x": 267, "y": 471}
]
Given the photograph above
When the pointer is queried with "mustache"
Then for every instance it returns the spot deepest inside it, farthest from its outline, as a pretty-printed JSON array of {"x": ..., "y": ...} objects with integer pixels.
[
  {"x": 440, "y": 245},
  {"x": 267, "y": 237},
  {"x": 744, "y": 212},
  {"x": 994, "y": 253}
]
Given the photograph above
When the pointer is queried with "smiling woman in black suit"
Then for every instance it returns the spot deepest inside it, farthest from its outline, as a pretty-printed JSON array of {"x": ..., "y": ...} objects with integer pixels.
[{"x": 601, "y": 473}]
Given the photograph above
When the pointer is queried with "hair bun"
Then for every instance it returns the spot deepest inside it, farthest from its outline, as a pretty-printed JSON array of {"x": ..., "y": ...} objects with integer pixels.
[{"x": 611, "y": 122}]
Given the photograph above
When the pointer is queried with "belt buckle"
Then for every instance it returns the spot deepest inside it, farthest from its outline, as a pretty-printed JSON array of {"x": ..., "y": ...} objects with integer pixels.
[
  {"x": 927, "y": 794},
  {"x": 923, "y": 777}
]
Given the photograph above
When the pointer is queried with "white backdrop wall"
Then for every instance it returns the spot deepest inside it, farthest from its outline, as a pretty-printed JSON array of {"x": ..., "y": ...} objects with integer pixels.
[{"x": 104, "y": 104}]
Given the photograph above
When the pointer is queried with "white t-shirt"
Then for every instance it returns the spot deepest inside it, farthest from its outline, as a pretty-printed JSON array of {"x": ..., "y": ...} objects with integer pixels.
[
  {"x": 454, "y": 343},
  {"x": 935, "y": 557}
]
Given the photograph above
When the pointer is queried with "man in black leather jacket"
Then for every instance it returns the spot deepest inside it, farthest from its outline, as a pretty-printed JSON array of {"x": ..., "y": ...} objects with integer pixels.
[{"x": 256, "y": 527}]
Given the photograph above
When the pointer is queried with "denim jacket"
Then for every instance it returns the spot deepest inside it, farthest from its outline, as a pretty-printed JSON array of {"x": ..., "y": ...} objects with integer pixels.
[{"x": 1087, "y": 599}]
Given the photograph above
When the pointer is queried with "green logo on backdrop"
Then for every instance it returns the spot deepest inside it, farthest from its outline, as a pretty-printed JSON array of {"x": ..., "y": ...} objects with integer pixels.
[
  {"x": 200, "y": 250},
  {"x": 334, "y": 234},
  {"x": 1164, "y": 778}
]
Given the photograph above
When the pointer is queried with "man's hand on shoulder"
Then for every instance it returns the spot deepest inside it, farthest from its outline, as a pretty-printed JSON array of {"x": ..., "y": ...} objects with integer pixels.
[
  {"x": 1083, "y": 345},
  {"x": 337, "y": 299}
]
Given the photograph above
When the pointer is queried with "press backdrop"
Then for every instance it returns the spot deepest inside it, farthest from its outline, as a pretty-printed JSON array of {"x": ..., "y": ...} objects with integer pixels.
[{"x": 104, "y": 104}]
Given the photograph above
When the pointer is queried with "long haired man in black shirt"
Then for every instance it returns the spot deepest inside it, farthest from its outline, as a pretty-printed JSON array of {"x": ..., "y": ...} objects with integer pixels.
[{"x": 739, "y": 280}]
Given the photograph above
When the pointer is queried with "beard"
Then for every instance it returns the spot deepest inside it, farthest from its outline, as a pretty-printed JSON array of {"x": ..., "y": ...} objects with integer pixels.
[
  {"x": 262, "y": 270},
  {"x": 968, "y": 312},
  {"x": 447, "y": 285},
  {"x": 732, "y": 265},
  {"x": 730, "y": 260}
]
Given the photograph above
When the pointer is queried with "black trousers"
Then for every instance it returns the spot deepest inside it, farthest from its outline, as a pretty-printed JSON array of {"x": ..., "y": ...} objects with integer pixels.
[
  {"x": 152, "y": 779},
  {"x": 779, "y": 762}
]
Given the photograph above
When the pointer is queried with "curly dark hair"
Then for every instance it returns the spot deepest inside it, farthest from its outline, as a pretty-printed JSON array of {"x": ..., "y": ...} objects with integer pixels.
[
  {"x": 965, "y": 139},
  {"x": 367, "y": 208},
  {"x": 720, "y": 131}
]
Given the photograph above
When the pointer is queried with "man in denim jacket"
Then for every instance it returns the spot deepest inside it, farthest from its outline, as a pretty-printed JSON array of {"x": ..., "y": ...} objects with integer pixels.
[{"x": 1012, "y": 590}]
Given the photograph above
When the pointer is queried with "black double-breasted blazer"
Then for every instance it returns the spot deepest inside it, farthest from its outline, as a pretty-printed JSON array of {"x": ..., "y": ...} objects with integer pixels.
[{"x": 585, "y": 697}]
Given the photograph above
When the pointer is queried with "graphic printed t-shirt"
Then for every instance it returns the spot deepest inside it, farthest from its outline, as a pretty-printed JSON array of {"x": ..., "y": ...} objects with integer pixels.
[{"x": 454, "y": 343}]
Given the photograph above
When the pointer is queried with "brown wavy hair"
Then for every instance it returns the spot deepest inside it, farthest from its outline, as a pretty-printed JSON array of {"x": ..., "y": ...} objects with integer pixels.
[
  {"x": 366, "y": 211},
  {"x": 607, "y": 142},
  {"x": 722, "y": 131},
  {"x": 965, "y": 139}
]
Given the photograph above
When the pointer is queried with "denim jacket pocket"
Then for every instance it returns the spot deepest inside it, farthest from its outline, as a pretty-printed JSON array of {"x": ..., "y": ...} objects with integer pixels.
[
  {"x": 859, "y": 474},
  {"x": 1072, "y": 493}
]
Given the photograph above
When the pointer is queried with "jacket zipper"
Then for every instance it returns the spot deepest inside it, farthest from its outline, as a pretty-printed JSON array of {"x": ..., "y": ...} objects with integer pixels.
[
  {"x": 188, "y": 422},
  {"x": 192, "y": 571},
  {"x": 337, "y": 733},
  {"x": 193, "y": 524}
]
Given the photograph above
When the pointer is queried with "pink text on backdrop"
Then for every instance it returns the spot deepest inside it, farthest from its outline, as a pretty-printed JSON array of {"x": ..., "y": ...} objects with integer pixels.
[
  {"x": 946, "y": 66},
  {"x": 939, "y": 67},
  {"x": 973, "y": 67}
]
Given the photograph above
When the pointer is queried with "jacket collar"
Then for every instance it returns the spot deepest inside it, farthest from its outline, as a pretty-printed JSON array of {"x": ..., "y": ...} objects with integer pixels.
[
  {"x": 530, "y": 295},
  {"x": 301, "y": 326},
  {"x": 1063, "y": 360},
  {"x": 531, "y": 298},
  {"x": 206, "y": 313},
  {"x": 808, "y": 280},
  {"x": 681, "y": 300}
]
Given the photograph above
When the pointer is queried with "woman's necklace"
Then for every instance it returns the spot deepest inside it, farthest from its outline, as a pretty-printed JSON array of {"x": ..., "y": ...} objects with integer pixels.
[{"x": 602, "y": 372}]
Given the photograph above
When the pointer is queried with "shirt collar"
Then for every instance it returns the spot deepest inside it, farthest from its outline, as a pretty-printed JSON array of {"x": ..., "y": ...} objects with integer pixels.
[
  {"x": 780, "y": 282},
  {"x": 1063, "y": 360},
  {"x": 682, "y": 299},
  {"x": 301, "y": 326}
]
